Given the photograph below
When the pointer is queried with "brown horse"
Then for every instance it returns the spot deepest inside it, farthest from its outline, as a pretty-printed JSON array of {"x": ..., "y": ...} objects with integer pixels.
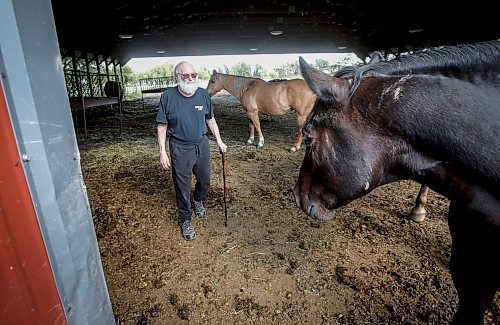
[{"x": 268, "y": 98}]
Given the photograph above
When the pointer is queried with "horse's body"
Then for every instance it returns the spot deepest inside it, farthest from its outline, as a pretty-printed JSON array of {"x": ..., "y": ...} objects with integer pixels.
[
  {"x": 113, "y": 89},
  {"x": 433, "y": 117},
  {"x": 268, "y": 98}
]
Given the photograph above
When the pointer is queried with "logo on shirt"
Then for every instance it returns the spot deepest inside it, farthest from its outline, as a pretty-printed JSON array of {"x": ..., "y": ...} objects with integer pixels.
[{"x": 198, "y": 107}]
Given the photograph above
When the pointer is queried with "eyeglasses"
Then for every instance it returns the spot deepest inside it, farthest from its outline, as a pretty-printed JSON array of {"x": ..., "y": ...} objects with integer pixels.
[{"x": 186, "y": 76}]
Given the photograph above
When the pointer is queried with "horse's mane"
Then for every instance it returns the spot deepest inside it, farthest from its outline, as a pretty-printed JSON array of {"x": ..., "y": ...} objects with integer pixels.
[
  {"x": 450, "y": 61},
  {"x": 240, "y": 83}
]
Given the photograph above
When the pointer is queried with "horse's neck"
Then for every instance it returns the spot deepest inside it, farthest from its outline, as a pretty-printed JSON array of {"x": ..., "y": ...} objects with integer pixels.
[{"x": 236, "y": 85}]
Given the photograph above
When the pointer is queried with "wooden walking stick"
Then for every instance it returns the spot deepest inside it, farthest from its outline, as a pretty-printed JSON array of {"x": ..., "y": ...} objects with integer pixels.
[{"x": 224, "y": 168}]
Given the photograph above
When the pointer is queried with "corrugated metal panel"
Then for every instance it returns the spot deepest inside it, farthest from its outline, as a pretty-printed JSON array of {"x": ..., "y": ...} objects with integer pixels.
[
  {"x": 40, "y": 120},
  {"x": 28, "y": 294}
]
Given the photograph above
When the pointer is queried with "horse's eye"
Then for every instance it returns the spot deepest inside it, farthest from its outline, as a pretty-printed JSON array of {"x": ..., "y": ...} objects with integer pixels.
[
  {"x": 212, "y": 81},
  {"x": 306, "y": 137},
  {"x": 307, "y": 140}
]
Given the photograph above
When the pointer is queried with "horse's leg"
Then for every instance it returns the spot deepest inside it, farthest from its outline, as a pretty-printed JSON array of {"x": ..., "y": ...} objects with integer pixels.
[
  {"x": 473, "y": 262},
  {"x": 251, "y": 129},
  {"x": 300, "y": 123},
  {"x": 418, "y": 212},
  {"x": 254, "y": 116}
]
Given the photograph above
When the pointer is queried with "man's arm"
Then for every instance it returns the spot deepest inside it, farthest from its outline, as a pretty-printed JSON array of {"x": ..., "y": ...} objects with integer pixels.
[
  {"x": 162, "y": 136},
  {"x": 212, "y": 125}
]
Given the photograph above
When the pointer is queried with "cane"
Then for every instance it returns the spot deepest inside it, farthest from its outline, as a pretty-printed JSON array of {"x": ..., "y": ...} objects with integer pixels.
[{"x": 224, "y": 167}]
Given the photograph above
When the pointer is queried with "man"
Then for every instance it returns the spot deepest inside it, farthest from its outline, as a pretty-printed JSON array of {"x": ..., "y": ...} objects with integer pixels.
[{"x": 183, "y": 115}]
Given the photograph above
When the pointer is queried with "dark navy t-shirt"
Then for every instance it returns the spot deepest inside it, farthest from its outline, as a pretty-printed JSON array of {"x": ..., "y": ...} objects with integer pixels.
[{"x": 185, "y": 116}]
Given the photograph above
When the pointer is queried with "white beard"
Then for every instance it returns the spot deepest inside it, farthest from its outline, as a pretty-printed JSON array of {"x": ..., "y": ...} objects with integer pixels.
[{"x": 187, "y": 87}]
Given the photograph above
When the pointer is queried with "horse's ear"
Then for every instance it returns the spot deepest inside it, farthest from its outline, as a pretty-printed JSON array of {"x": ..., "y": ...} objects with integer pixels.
[
  {"x": 323, "y": 85},
  {"x": 376, "y": 57},
  {"x": 214, "y": 72}
]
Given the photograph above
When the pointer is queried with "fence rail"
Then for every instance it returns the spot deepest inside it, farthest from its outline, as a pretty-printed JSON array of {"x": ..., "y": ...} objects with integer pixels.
[
  {"x": 155, "y": 85},
  {"x": 86, "y": 84},
  {"x": 85, "y": 90}
]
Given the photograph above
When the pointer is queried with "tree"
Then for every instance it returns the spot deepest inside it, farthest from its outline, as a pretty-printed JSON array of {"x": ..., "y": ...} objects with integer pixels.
[
  {"x": 288, "y": 70},
  {"x": 344, "y": 62},
  {"x": 129, "y": 77},
  {"x": 241, "y": 69},
  {"x": 258, "y": 71},
  {"x": 322, "y": 64},
  {"x": 164, "y": 70},
  {"x": 274, "y": 74},
  {"x": 203, "y": 74}
]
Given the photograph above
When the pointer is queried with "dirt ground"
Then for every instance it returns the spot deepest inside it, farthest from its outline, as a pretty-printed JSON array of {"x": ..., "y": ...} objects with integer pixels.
[{"x": 271, "y": 264}]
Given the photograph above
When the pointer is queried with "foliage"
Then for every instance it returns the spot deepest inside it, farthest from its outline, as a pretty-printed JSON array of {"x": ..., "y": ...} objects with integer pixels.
[
  {"x": 288, "y": 70},
  {"x": 203, "y": 74},
  {"x": 342, "y": 63},
  {"x": 273, "y": 75},
  {"x": 284, "y": 71},
  {"x": 322, "y": 65},
  {"x": 163, "y": 70},
  {"x": 129, "y": 77},
  {"x": 259, "y": 71},
  {"x": 241, "y": 69}
]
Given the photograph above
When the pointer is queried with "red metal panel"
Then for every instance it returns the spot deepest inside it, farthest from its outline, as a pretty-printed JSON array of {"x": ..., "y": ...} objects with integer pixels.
[{"x": 28, "y": 293}]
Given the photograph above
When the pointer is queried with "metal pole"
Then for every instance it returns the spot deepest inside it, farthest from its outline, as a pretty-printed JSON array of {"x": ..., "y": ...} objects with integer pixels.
[{"x": 224, "y": 168}]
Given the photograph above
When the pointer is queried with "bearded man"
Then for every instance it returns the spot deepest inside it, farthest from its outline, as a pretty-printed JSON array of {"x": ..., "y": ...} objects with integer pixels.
[{"x": 183, "y": 116}]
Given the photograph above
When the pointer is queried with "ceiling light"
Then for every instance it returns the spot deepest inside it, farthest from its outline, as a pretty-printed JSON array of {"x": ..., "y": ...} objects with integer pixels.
[
  {"x": 126, "y": 36},
  {"x": 418, "y": 30},
  {"x": 276, "y": 32},
  {"x": 161, "y": 51},
  {"x": 254, "y": 49},
  {"x": 342, "y": 47}
]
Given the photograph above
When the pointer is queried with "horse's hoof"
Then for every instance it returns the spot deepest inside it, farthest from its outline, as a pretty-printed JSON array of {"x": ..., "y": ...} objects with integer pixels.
[
  {"x": 293, "y": 149},
  {"x": 249, "y": 141},
  {"x": 417, "y": 215}
]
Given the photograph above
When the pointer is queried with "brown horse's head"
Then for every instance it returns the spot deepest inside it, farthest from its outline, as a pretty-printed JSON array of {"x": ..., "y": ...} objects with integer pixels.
[
  {"x": 214, "y": 84},
  {"x": 341, "y": 159}
]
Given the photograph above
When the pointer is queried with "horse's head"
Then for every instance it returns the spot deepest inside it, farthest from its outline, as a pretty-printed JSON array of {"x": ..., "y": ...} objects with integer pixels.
[
  {"x": 342, "y": 156},
  {"x": 215, "y": 83}
]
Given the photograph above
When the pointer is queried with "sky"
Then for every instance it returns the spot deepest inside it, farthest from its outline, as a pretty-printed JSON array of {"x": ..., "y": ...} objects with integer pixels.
[{"x": 268, "y": 61}]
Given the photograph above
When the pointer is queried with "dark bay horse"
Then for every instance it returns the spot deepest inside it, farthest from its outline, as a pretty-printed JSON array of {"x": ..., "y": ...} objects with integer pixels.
[
  {"x": 432, "y": 117},
  {"x": 268, "y": 98},
  {"x": 418, "y": 212}
]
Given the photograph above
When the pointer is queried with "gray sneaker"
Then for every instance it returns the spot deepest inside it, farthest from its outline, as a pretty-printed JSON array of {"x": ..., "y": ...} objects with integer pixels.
[
  {"x": 199, "y": 209},
  {"x": 188, "y": 230}
]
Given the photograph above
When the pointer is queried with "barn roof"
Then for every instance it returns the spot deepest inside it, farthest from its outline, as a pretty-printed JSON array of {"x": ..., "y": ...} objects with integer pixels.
[{"x": 194, "y": 28}]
